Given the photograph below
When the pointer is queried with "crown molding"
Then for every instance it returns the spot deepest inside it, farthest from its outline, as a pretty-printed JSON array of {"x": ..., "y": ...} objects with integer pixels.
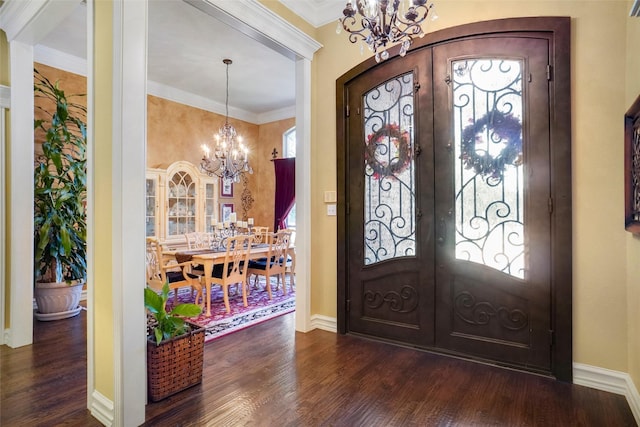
[
  {"x": 60, "y": 60},
  {"x": 262, "y": 25},
  {"x": 76, "y": 65},
  {"x": 316, "y": 13},
  {"x": 29, "y": 21}
]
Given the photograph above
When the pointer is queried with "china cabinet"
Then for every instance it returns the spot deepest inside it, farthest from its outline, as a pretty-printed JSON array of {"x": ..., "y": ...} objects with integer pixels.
[{"x": 179, "y": 200}]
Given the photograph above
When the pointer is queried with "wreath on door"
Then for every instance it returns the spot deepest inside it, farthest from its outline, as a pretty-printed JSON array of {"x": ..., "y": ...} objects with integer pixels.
[
  {"x": 397, "y": 164},
  {"x": 501, "y": 127}
]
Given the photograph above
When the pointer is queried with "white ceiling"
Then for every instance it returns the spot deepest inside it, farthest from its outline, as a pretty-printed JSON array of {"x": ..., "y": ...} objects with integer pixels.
[{"x": 185, "y": 52}]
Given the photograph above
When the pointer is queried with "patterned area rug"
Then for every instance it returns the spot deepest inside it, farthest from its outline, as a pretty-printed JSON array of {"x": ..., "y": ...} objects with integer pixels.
[{"x": 259, "y": 309}]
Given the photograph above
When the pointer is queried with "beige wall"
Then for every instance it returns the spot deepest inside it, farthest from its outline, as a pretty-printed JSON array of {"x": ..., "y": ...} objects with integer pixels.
[
  {"x": 633, "y": 242},
  {"x": 601, "y": 318},
  {"x": 103, "y": 333}
]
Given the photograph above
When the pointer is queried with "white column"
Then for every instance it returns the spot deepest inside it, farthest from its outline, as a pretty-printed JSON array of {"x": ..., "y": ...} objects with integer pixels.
[
  {"x": 21, "y": 194},
  {"x": 5, "y": 103},
  {"x": 129, "y": 159},
  {"x": 303, "y": 194}
]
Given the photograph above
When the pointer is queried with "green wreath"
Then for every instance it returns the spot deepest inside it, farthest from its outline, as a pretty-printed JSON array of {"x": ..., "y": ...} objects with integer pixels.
[
  {"x": 502, "y": 127},
  {"x": 397, "y": 164}
]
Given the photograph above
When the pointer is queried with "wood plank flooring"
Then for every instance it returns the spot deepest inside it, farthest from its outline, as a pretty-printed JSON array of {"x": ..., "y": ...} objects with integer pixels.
[{"x": 269, "y": 375}]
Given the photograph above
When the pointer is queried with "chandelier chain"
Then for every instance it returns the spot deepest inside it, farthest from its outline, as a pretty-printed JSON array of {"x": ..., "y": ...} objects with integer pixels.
[{"x": 229, "y": 159}]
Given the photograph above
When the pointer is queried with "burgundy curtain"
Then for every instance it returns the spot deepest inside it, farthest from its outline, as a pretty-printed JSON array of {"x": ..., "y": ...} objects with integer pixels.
[{"x": 285, "y": 190}]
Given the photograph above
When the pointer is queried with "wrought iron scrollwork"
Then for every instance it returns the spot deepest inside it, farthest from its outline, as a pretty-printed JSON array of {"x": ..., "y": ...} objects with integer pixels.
[
  {"x": 404, "y": 301},
  {"x": 389, "y": 193},
  {"x": 489, "y": 179},
  {"x": 481, "y": 313}
]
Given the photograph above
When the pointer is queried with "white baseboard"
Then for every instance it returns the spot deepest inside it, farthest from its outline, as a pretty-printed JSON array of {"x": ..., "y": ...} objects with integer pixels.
[
  {"x": 325, "y": 323},
  {"x": 101, "y": 408},
  {"x": 611, "y": 381}
]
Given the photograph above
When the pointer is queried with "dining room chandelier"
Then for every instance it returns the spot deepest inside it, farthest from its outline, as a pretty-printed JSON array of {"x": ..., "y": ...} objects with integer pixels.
[
  {"x": 229, "y": 159},
  {"x": 383, "y": 22}
]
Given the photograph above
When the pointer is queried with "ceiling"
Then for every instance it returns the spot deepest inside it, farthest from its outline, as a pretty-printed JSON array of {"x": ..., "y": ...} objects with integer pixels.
[{"x": 185, "y": 51}]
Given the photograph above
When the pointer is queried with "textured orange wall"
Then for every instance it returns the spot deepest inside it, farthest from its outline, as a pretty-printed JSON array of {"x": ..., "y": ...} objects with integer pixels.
[
  {"x": 176, "y": 132},
  {"x": 270, "y": 137},
  {"x": 71, "y": 84}
]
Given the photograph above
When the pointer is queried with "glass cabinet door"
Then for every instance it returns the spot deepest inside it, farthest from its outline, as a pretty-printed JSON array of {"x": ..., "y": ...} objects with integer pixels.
[
  {"x": 209, "y": 206},
  {"x": 181, "y": 204},
  {"x": 151, "y": 215}
]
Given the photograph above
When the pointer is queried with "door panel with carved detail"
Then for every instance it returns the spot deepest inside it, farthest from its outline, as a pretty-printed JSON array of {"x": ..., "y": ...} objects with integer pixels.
[
  {"x": 493, "y": 252},
  {"x": 390, "y": 258},
  {"x": 448, "y": 223}
]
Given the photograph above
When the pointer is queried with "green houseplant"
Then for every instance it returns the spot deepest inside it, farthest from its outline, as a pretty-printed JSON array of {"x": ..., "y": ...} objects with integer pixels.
[
  {"x": 175, "y": 347},
  {"x": 59, "y": 201}
]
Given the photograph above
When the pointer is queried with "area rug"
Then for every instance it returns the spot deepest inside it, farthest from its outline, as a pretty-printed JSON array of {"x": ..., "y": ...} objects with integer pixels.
[{"x": 260, "y": 308}]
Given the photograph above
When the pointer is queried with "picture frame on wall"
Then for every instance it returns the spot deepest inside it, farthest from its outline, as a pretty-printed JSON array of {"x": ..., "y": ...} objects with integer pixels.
[
  {"x": 226, "y": 209},
  {"x": 226, "y": 188}
]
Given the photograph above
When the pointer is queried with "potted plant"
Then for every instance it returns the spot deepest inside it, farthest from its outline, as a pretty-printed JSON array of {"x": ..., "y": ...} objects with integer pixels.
[
  {"x": 174, "y": 347},
  {"x": 59, "y": 202}
]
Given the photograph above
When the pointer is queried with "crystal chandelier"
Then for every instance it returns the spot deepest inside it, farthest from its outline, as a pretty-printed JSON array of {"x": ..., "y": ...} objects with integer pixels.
[
  {"x": 383, "y": 22},
  {"x": 229, "y": 159}
]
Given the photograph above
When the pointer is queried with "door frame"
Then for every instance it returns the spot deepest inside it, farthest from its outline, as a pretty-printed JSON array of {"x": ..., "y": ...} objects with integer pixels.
[{"x": 557, "y": 30}]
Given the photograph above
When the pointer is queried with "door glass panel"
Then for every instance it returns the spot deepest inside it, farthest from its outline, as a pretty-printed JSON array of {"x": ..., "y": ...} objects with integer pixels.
[
  {"x": 487, "y": 114},
  {"x": 389, "y": 193}
]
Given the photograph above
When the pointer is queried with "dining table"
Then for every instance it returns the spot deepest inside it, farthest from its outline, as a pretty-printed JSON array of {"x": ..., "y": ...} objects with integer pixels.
[{"x": 208, "y": 258}]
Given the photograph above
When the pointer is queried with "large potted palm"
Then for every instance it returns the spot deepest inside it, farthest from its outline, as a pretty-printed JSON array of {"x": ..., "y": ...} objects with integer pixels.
[{"x": 60, "y": 199}]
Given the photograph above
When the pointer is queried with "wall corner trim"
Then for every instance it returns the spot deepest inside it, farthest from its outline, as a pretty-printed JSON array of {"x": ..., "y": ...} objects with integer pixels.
[
  {"x": 607, "y": 380},
  {"x": 101, "y": 408}
]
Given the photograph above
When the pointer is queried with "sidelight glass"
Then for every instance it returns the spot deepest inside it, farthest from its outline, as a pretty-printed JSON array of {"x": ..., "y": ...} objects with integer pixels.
[
  {"x": 489, "y": 183},
  {"x": 389, "y": 170}
]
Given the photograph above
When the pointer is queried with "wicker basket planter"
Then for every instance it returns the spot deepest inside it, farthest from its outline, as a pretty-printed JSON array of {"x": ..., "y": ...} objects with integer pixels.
[{"x": 174, "y": 365}]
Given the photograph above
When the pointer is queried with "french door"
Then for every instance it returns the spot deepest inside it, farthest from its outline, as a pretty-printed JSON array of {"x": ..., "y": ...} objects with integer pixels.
[{"x": 448, "y": 205}]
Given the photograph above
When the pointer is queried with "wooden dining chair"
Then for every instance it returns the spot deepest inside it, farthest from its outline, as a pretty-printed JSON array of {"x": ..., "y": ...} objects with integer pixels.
[
  {"x": 233, "y": 270},
  {"x": 198, "y": 240},
  {"x": 178, "y": 275},
  {"x": 290, "y": 268},
  {"x": 259, "y": 234},
  {"x": 275, "y": 263}
]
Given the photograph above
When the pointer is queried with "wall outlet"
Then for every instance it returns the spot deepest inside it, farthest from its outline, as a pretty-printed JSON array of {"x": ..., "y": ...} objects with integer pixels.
[{"x": 332, "y": 210}]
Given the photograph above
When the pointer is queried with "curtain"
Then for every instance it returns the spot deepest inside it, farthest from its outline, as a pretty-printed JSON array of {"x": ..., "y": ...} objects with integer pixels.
[{"x": 285, "y": 190}]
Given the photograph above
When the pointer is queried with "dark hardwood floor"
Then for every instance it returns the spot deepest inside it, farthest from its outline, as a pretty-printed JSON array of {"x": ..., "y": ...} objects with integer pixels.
[{"x": 269, "y": 375}]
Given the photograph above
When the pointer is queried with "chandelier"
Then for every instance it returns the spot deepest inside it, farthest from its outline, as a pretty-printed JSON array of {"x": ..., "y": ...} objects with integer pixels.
[
  {"x": 229, "y": 158},
  {"x": 383, "y": 22}
]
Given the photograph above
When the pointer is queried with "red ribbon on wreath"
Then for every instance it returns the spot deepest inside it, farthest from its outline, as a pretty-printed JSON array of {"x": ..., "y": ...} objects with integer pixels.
[{"x": 382, "y": 140}]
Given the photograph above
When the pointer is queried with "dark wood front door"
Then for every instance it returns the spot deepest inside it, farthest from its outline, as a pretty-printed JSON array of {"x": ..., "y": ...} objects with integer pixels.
[{"x": 449, "y": 203}]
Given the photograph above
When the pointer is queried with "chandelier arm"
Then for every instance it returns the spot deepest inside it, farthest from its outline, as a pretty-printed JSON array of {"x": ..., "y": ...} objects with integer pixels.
[
  {"x": 419, "y": 18},
  {"x": 354, "y": 35}
]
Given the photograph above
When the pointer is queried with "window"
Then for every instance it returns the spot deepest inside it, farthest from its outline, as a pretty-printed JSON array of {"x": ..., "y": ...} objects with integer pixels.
[{"x": 289, "y": 150}]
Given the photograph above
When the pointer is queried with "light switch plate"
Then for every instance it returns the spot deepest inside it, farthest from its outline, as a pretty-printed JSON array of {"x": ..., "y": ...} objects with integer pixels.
[{"x": 330, "y": 196}]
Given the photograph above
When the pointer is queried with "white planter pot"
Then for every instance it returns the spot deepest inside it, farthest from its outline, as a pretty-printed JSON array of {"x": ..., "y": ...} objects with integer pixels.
[{"x": 57, "y": 300}]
